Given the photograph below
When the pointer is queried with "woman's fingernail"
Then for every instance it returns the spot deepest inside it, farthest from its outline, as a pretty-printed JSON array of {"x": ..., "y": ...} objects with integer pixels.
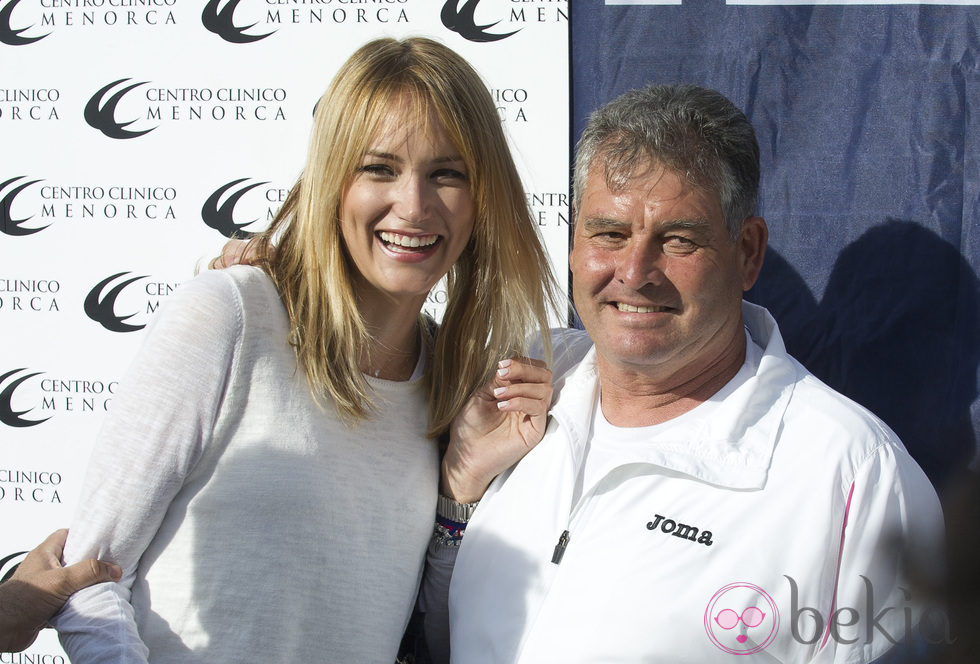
[
  {"x": 502, "y": 404},
  {"x": 499, "y": 391}
]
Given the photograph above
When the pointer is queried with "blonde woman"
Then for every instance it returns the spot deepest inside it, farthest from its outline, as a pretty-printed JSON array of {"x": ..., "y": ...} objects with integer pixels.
[{"x": 268, "y": 480}]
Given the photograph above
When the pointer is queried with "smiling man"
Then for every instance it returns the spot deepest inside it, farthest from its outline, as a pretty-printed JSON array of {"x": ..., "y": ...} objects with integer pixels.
[{"x": 698, "y": 494}]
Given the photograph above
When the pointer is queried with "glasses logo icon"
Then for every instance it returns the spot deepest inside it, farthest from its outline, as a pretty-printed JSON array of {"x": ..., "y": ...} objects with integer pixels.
[
  {"x": 741, "y": 619},
  {"x": 751, "y": 617}
]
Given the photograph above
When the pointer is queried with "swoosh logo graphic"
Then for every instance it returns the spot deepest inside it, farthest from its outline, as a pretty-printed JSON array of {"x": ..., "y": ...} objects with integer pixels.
[
  {"x": 101, "y": 308},
  {"x": 10, "y": 35},
  {"x": 222, "y": 218},
  {"x": 9, "y": 416},
  {"x": 6, "y": 559},
  {"x": 9, "y": 225},
  {"x": 463, "y": 22},
  {"x": 100, "y": 114},
  {"x": 221, "y": 22}
]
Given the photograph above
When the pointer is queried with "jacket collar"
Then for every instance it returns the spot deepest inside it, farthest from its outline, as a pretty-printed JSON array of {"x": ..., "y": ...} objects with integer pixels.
[{"x": 733, "y": 448}]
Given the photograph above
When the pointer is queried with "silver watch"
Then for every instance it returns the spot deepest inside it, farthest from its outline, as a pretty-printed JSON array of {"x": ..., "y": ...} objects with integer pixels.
[{"x": 448, "y": 508}]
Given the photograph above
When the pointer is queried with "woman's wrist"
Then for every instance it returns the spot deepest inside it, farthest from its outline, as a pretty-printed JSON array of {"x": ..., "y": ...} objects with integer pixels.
[{"x": 458, "y": 484}]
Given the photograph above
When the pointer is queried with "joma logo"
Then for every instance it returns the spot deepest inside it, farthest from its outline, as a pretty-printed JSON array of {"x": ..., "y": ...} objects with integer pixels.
[{"x": 671, "y": 527}]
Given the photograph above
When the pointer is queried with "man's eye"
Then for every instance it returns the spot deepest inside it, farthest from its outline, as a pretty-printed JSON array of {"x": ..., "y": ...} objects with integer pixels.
[{"x": 679, "y": 243}]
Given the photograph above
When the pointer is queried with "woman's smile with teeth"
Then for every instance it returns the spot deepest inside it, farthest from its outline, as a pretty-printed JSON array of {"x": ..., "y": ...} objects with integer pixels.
[
  {"x": 399, "y": 241},
  {"x": 622, "y": 306}
]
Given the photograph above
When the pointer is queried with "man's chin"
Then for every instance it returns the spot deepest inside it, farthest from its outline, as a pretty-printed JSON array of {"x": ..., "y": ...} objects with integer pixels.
[{"x": 634, "y": 353}]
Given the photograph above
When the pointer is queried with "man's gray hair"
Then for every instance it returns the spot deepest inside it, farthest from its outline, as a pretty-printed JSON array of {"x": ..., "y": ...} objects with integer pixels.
[{"x": 696, "y": 132}]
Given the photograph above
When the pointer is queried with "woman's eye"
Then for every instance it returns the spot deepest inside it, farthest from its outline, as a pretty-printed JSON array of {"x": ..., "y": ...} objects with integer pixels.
[
  {"x": 449, "y": 174},
  {"x": 377, "y": 169}
]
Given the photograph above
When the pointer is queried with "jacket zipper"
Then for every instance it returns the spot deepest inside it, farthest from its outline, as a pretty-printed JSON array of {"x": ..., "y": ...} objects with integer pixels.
[{"x": 560, "y": 548}]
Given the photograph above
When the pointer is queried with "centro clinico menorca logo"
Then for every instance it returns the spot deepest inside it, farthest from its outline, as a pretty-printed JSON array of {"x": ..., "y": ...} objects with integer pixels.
[
  {"x": 35, "y": 104},
  {"x": 462, "y": 20},
  {"x": 9, "y": 382},
  {"x": 221, "y": 215},
  {"x": 98, "y": 202},
  {"x": 26, "y": 486},
  {"x": 221, "y": 22},
  {"x": 8, "y": 224},
  {"x": 100, "y": 306},
  {"x": 180, "y": 103},
  {"x": 54, "y": 395},
  {"x": 13, "y": 36},
  {"x": 266, "y": 17},
  {"x": 29, "y": 295},
  {"x": 550, "y": 208},
  {"x": 101, "y": 113},
  {"x": 108, "y": 295},
  {"x": 81, "y": 14}
]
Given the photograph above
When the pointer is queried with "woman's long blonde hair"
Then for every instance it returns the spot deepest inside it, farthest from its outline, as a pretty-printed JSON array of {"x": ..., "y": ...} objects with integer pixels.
[{"x": 499, "y": 291}]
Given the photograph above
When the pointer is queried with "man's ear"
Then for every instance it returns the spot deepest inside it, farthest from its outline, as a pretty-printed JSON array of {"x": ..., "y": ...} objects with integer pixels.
[{"x": 752, "y": 249}]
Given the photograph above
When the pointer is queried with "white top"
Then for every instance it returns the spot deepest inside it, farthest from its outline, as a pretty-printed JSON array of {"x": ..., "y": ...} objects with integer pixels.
[
  {"x": 607, "y": 443},
  {"x": 251, "y": 525},
  {"x": 789, "y": 498}
]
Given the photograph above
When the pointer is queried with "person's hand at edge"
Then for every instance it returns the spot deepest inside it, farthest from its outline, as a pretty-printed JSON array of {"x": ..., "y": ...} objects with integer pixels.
[
  {"x": 237, "y": 252},
  {"x": 40, "y": 586}
]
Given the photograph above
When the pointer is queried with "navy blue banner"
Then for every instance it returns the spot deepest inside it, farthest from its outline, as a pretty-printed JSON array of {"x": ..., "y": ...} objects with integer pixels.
[{"x": 867, "y": 118}]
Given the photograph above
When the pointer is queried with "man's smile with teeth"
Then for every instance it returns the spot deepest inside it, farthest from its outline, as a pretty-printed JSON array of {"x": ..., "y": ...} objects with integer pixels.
[
  {"x": 622, "y": 306},
  {"x": 397, "y": 240}
]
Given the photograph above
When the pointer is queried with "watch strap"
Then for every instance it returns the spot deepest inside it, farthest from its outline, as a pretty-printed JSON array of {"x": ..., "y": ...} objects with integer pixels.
[{"x": 448, "y": 508}]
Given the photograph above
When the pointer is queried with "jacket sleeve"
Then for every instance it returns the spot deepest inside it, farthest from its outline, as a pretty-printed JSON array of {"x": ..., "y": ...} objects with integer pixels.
[
  {"x": 151, "y": 439},
  {"x": 891, "y": 561}
]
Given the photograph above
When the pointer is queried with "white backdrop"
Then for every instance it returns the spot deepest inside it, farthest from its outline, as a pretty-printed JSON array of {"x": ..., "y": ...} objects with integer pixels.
[{"x": 131, "y": 131}]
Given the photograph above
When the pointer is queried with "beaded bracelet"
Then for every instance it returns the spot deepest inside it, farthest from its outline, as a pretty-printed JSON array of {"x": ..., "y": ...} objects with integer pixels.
[{"x": 448, "y": 532}]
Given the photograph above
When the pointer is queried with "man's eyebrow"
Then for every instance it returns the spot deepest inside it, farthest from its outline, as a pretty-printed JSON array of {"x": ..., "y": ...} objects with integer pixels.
[
  {"x": 695, "y": 224},
  {"x": 600, "y": 224}
]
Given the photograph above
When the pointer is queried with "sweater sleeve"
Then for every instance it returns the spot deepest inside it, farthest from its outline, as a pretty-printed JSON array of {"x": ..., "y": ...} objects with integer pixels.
[
  {"x": 891, "y": 559},
  {"x": 154, "y": 434},
  {"x": 434, "y": 598}
]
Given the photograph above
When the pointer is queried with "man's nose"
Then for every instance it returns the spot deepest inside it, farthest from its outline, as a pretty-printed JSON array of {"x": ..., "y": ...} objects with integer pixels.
[{"x": 641, "y": 264}]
